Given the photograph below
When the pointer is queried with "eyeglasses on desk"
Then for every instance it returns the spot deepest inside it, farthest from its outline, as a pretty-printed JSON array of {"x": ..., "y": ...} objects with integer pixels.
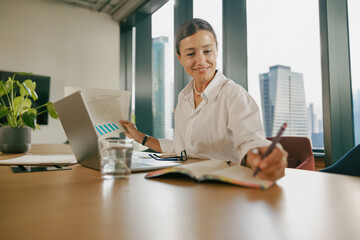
[{"x": 182, "y": 158}]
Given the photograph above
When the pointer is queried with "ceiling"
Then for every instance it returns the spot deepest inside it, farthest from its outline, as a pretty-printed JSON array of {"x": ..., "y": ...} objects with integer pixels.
[{"x": 117, "y": 9}]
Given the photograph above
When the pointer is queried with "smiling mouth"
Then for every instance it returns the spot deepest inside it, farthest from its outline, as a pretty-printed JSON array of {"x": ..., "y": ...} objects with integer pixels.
[{"x": 201, "y": 70}]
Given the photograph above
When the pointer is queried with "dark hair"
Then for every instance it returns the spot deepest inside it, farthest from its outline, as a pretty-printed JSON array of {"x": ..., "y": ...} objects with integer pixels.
[{"x": 191, "y": 27}]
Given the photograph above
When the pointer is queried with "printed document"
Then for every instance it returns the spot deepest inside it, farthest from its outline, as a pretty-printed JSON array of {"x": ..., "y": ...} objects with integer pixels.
[{"x": 106, "y": 108}]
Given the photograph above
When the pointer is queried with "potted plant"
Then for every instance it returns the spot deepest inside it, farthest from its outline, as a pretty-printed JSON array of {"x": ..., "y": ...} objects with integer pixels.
[{"x": 15, "y": 107}]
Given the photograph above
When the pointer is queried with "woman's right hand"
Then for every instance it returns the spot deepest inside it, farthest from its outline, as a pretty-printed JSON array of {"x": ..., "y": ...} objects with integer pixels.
[{"x": 132, "y": 131}]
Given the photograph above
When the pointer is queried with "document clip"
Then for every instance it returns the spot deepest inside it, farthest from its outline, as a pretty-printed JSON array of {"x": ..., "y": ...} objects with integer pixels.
[{"x": 23, "y": 169}]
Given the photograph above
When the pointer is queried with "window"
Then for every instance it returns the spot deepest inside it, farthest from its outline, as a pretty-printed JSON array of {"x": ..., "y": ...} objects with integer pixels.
[
  {"x": 211, "y": 11},
  {"x": 354, "y": 38},
  {"x": 163, "y": 71},
  {"x": 284, "y": 68},
  {"x": 133, "y": 52}
]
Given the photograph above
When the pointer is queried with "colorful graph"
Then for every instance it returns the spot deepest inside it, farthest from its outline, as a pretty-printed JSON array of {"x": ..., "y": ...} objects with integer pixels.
[{"x": 106, "y": 128}]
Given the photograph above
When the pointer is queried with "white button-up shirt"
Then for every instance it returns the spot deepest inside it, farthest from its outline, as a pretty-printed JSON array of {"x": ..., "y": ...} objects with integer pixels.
[{"x": 225, "y": 125}]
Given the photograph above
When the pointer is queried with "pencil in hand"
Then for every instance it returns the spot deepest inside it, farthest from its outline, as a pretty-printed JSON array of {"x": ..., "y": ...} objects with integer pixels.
[{"x": 272, "y": 146}]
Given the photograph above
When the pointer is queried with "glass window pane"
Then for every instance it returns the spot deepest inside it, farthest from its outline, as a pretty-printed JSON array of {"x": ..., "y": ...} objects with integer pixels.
[
  {"x": 211, "y": 11},
  {"x": 354, "y": 37},
  {"x": 284, "y": 68},
  {"x": 163, "y": 71},
  {"x": 133, "y": 53}
]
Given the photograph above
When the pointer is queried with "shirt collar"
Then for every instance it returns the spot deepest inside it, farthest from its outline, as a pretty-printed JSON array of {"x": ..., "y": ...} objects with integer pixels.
[{"x": 211, "y": 91}]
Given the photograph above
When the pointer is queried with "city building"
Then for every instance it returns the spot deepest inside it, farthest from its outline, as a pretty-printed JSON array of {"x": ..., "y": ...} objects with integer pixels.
[
  {"x": 283, "y": 100},
  {"x": 162, "y": 88},
  {"x": 315, "y": 128}
]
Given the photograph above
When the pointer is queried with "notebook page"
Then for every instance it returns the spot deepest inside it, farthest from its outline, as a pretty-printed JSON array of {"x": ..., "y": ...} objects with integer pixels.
[
  {"x": 203, "y": 167},
  {"x": 239, "y": 175}
]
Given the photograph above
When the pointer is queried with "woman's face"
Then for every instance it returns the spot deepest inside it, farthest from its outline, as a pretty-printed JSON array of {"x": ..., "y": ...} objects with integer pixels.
[{"x": 198, "y": 55}]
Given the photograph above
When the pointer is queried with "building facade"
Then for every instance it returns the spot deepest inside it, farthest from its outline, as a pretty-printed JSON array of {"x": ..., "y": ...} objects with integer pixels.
[
  {"x": 162, "y": 89},
  {"x": 283, "y": 100}
]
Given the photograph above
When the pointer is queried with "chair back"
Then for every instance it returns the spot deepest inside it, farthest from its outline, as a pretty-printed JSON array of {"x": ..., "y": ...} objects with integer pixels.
[{"x": 300, "y": 152}]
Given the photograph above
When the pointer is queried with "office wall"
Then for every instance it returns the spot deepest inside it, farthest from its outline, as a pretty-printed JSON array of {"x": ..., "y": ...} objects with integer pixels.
[{"x": 75, "y": 46}]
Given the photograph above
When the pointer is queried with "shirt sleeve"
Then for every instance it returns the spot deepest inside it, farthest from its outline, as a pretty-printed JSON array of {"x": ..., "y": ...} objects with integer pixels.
[
  {"x": 167, "y": 146},
  {"x": 245, "y": 123}
]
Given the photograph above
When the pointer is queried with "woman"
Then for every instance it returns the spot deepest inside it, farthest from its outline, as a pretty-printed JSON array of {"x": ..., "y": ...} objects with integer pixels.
[{"x": 215, "y": 117}]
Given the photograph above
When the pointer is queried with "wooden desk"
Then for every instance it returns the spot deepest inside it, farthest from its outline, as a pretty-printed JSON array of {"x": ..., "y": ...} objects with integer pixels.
[{"x": 78, "y": 204}]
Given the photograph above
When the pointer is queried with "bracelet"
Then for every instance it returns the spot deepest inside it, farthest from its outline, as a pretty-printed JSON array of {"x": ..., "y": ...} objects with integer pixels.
[{"x": 144, "y": 140}]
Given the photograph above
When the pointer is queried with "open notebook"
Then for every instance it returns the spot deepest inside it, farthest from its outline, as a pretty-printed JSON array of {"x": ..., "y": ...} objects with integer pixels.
[{"x": 215, "y": 170}]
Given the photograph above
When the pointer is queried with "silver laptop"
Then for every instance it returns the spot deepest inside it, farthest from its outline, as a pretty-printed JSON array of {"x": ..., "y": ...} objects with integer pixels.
[{"x": 81, "y": 133}]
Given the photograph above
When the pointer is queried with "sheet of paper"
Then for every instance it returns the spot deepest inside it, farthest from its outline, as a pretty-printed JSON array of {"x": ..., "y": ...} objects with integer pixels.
[
  {"x": 142, "y": 160},
  {"x": 41, "y": 159},
  {"x": 106, "y": 108}
]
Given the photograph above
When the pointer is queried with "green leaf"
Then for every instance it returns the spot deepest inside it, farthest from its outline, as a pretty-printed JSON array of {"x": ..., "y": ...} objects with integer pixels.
[
  {"x": 3, "y": 111},
  {"x": 32, "y": 110},
  {"x": 2, "y": 88},
  {"x": 29, "y": 118},
  {"x": 52, "y": 111},
  {"x": 24, "y": 103},
  {"x": 8, "y": 85},
  {"x": 24, "y": 90},
  {"x": 28, "y": 88},
  {"x": 26, "y": 107},
  {"x": 17, "y": 103}
]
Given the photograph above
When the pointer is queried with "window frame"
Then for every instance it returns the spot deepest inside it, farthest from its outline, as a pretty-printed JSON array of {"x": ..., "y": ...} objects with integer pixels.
[{"x": 335, "y": 65}]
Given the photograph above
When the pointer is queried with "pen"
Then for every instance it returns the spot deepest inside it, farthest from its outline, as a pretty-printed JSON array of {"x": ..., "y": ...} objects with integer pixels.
[{"x": 272, "y": 146}]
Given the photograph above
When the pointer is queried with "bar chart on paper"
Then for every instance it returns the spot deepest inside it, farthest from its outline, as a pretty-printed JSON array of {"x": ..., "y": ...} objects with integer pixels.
[
  {"x": 106, "y": 107},
  {"x": 108, "y": 129}
]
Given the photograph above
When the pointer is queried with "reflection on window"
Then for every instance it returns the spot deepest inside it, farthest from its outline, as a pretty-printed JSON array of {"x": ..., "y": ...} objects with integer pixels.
[
  {"x": 163, "y": 71},
  {"x": 354, "y": 34},
  {"x": 284, "y": 68},
  {"x": 211, "y": 11}
]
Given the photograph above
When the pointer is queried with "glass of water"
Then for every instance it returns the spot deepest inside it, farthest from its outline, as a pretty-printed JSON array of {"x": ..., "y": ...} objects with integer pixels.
[{"x": 115, "y": 157}]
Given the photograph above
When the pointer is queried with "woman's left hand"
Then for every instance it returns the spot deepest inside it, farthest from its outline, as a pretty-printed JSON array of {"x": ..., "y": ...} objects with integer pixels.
[
  {"x": 132, "y": 131},
  {"x": 272, "y": 167}
]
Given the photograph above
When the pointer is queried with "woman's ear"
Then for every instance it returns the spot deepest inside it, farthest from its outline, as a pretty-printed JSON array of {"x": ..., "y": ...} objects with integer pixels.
[{"x": 179, "y": 57}]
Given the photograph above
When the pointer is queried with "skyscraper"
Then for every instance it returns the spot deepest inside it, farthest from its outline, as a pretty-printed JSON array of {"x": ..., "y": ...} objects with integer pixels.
[
  {"x": 315, "y": 129},
  {"x": 312, "y": 119},
  {"x": 283, "y": 100},
  {"x": 162, "y": 89}
]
